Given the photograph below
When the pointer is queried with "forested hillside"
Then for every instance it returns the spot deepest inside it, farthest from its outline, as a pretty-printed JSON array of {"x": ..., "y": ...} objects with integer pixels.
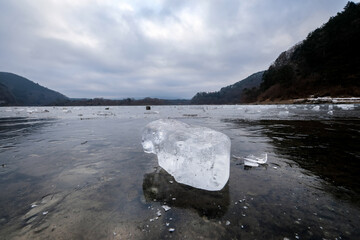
[
  {"x": 17, "y": 90},
  {"x": 326, "y": 63},
  {"x": 236, "y": 93}
]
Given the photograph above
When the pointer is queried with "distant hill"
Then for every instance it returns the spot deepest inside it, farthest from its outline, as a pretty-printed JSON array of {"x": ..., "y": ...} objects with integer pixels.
[
  {"x": 6, "y": 97},
  {"x": 121, "y": 102},
  {"x": 236, "y": 93},
  {"x": 17, "y": 90},
  {"x": 326, "y": 63}
]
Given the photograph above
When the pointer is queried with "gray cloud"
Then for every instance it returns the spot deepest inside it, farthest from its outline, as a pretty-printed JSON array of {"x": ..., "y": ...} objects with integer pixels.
[{"x": 171, "y": 49}]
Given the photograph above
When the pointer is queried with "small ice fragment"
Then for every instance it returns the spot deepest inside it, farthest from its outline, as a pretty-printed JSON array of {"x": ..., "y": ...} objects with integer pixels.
[
  {"x": 283, "y": 113},
  {"x": 173, "y": 199},
  {"x": 274, "y": 167},
  {"x": 33, "y": 205},
  {"x": 46, "y": 212},
  {"x": 250, "y": 163},
  {"x": 193, "y": 155},
  {"x": 171, "y": 182},
  {"x": 157, "y": 218},
  {"x": 236, "y": 203},
  {"x": 346, "y": 106},
  {"x": 158, "y": 213},
  {"x": 114, "y": 233},
  {"x": 242, "y": 226},
  {"x": 166, "y": 208},
  {"x": 171, "y": 229},
  {"x": 253, "y": 161},
  {"x": 227, "y": 223},
  {"x": 167, "y": 224},
  {"x": 316, "y": 108},
  {"x": 151, "y": 219},
  {"x": 330, "y": 112},
  {"x": 170, "y": 219},
  {"x": 245, "y": 207}
]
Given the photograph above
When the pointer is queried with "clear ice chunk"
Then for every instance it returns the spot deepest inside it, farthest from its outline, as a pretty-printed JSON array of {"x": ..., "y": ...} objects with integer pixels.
[
  {"x": 194, "y": 155},
  {"x": 253, "y": 161},
  {"x": 166, "y": 208}
]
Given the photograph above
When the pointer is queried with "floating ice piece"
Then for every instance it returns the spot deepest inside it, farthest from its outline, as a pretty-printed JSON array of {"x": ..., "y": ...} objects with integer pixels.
[
  {"x": 316, "y": 108},
  {"x": 152, "y": 112},
  {"x": 283, "y": 113},
  {"x": 46, "y": 212},
  {"x": 166, "y": 208},
  {"x": 171, "y": 229},
  {"x": 253, "y": 161},
  {"x": 193, "y": 155},
  {"x": 346, "y": 106},
  {"x": 158, "y": 213}
]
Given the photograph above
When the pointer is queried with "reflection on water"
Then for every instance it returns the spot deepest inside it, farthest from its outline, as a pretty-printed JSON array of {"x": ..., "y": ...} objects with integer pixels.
[
  {"x": 328, "y": 149},
  {"x": 13, "y": 127},
  {"x": 161, "y": 186}
]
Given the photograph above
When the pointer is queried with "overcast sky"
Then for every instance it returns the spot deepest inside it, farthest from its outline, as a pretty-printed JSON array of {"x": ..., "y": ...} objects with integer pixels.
[{"x": 137, "y": 48}]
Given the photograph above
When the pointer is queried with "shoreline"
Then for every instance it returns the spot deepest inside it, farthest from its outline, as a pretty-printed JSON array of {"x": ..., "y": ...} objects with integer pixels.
[
  {"x": 313, "y": 100},
  {"x": 310, "y": 100}
]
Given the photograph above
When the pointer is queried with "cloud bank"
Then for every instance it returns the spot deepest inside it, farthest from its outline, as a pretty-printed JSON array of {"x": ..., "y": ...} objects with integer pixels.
[{"x": 167, "y": 49}]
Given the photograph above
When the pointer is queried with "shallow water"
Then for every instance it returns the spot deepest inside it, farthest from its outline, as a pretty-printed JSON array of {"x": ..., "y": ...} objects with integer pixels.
[{"x": 81, "y": 173}]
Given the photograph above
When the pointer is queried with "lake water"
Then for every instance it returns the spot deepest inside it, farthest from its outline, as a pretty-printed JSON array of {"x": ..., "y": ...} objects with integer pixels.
[{"x": 81, "y": 173}]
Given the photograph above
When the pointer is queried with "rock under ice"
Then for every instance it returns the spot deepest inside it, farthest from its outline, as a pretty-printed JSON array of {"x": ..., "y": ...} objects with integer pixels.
[{"x": 193, "y": 155}]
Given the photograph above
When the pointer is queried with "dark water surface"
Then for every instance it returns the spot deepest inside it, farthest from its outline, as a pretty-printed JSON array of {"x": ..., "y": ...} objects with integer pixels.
[{"x": 81, "y": 173}]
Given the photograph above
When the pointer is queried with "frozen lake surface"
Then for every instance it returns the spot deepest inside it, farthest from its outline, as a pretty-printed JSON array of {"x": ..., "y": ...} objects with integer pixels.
[{"x": 81, "y": 173}]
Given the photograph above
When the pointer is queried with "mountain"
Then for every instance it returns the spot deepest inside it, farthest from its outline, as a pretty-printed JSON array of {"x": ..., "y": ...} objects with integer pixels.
[
  {"x": 326, "y": 63},
  {"x": 6, "y": 97},
  {"x": 236, "y": 93},
  {"x": 17, "y": 90}
]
